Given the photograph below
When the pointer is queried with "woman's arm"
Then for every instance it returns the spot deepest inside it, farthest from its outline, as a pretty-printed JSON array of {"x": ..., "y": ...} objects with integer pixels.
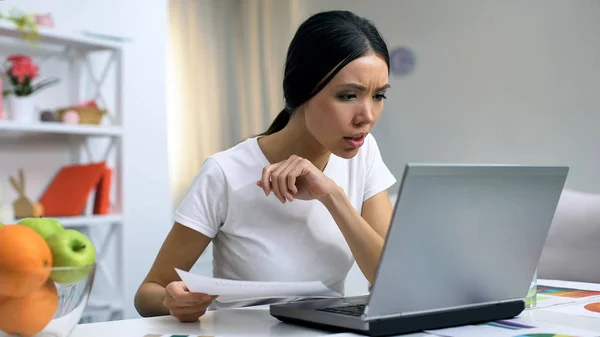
[
  {"x": 298, "y": 178},
  {"x": 182, "y": 247},
  {"x": 364, "y": 233}
]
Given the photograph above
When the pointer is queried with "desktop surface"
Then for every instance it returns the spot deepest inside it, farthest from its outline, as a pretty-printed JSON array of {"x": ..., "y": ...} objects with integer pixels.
[{"x": 256, "y": 321}]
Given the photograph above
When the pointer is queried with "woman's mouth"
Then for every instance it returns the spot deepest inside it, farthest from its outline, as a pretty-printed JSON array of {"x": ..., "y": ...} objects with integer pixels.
[{"x": 355, "y": 141}]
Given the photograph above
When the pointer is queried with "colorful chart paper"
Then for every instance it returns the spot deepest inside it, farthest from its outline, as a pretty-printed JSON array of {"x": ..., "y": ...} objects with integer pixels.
[
  {"x": 544, "y": 335},
  {"x": 497, "y": 328},
  {"x": 511, "y": 328},
  {"x": 566, "y": 292},
  {"x": 554, "y": 331},
  {"x": 545, "y": 301},
  {"x": 509, "y": 325},
  {"x": 593, "y": 307},
  {"x": 579, "y": 309}
]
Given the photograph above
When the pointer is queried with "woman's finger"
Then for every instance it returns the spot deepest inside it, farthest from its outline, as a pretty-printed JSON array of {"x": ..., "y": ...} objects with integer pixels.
[
  {"x": 266, "y": 176},
  {"x": 189, "y": 311},
  {"x": 290, "y": 177},
  {"x": 299, "y": 169},
  {"x": 178, "y": 292},
  {"x": 278, "y": 181},
  {"x": 193, "y": 317},
  {"x": 172, "y": 304}
]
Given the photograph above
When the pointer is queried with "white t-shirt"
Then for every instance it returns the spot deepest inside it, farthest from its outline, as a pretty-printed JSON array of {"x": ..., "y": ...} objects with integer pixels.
[{"x": 257, "y": 238}]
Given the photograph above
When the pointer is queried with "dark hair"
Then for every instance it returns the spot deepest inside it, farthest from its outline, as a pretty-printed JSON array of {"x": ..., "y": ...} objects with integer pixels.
[{"x": 324, "y": 44}]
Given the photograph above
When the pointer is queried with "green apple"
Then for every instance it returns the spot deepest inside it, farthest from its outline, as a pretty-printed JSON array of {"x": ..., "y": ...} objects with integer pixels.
[
  {"x": 71, "y": 248},
  {"x": 1, "y": 224},
  {"x": 43, "y": 226}
]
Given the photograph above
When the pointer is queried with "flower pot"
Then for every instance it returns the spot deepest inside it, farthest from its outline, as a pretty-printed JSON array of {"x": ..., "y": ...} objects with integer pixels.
[{"x": 23, "y": 109}]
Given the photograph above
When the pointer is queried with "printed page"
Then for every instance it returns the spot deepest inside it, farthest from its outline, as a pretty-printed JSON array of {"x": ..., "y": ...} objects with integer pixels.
[
  {"x": 512, "y": 328},
  {"x": 233, "y": 290},
  {"x": 580, "y": 309}
]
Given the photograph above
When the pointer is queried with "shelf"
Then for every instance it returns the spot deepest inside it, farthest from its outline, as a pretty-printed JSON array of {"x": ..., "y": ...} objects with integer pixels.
[
  {"x": 59, "y": 128},
  {"x": 92, "y": 220},
  {"x": 83, "y": 142},
  {"x": 63, "y": 38}
]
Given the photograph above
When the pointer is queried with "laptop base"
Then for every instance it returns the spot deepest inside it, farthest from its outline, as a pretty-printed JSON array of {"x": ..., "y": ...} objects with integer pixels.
[{"x": 420, "y": 322}]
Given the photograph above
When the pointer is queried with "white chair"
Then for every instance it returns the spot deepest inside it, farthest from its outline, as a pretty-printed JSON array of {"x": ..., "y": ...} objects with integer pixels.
[{"x": 572, "y": 249}]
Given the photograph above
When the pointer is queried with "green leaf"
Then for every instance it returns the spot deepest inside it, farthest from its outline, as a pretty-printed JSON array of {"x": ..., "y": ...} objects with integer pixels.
[{"x": 44, "y": 83}]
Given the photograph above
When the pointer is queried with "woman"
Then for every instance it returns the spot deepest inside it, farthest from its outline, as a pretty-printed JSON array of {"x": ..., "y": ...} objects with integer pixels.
[{"x": 305, "y": 199}]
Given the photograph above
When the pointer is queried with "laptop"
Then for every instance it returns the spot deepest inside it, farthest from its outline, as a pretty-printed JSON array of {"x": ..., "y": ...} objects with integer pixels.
[{"x": 462, "y": 248}]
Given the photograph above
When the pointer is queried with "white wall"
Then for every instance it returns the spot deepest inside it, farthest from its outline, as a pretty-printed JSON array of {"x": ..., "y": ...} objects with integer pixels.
[
  {"x": 147, "y": 192},
  {"x": 504, "y": 81},
  {"x": 501, "y": 81}
]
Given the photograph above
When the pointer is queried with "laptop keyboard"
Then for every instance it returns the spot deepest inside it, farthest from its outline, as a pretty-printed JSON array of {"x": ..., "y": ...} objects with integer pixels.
[{"x": 348, "y": 310}]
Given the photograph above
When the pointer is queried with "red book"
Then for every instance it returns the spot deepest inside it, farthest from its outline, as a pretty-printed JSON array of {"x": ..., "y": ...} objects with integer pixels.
[{"x": 68, "y": 192}]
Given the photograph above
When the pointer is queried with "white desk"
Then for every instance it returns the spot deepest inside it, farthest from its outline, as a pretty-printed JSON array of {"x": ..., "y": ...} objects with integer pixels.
[{"x": 249, "y": 322}]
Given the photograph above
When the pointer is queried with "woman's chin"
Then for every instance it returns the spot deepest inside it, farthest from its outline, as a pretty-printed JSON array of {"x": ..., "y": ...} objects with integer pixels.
[{"x": 346, "y": 153}]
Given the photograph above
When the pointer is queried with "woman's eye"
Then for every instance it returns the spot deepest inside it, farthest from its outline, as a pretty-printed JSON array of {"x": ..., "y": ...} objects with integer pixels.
[
  {"x": 380, "y": 97},
  {"x": 347, "y": 97}
]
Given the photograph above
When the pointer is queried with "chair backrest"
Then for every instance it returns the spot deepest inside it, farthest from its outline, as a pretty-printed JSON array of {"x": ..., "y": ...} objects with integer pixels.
[{"x": 572, "y": 250}]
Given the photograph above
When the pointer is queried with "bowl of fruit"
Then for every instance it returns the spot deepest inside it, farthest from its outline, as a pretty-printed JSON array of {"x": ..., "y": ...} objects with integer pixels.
[{"x": 46, "y": 276}]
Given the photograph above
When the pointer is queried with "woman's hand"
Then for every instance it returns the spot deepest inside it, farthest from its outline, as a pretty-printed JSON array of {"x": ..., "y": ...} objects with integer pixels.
[
  {"x": 295, "y": 178},
  {"x": 185, "y": 305}
]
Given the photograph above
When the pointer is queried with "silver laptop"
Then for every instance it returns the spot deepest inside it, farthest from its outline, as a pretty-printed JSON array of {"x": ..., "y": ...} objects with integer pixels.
[{"x": 462, "y": 248}]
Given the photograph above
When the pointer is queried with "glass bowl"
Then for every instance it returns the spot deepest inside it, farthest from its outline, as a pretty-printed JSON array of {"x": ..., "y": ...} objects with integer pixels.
[{"x": 44, "y": 302}]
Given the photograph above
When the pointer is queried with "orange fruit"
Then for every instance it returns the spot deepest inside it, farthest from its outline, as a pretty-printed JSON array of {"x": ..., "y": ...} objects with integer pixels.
[
  {"x": 25, "y": 260},
  {"x": 25, "y": 316}
]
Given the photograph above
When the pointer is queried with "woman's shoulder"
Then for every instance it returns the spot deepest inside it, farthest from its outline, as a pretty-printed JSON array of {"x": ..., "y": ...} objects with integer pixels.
[
  {"x": 237, "y": 158},
  {"x": 243, "y": 149}
]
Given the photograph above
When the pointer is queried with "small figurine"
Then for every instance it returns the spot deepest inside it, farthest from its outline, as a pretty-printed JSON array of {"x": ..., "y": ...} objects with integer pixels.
[{"x": 23, "y": 207}]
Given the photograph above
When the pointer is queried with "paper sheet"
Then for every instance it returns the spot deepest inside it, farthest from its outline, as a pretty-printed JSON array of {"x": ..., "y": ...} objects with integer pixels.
[
  {"x": 591, "y": 309},
  {"x": 569, "y": 285},
  {"x": 560, "y": 293},
  {"x": 232, "y": 290},
  {"x": 489, "y": 329},
  {"x": 511, "y": 328},
  {"x": 545, "y": 301}
]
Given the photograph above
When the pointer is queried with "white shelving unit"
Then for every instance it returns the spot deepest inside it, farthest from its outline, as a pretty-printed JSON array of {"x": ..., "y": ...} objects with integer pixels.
[
  {"x": 106, "y": 231},
  {"x": 64, "y": 129}
]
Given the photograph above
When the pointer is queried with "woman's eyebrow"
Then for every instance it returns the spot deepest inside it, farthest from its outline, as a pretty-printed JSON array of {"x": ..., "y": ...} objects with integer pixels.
[{"x": 360, "y": 87}]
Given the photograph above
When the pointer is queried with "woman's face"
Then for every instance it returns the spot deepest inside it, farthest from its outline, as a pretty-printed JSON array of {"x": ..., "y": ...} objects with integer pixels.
[{"x": 341, "y": 115}]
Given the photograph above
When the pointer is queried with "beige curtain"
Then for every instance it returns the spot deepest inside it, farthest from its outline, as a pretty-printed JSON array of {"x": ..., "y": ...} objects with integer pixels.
[{"x": 225, "y": 66}]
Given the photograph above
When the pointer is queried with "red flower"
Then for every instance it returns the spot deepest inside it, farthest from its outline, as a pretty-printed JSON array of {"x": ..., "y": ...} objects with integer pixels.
[{"x": 22, "y": 68}]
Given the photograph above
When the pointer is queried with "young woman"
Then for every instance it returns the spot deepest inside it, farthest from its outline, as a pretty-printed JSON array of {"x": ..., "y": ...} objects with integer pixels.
[{"x": 305, "y": 199}]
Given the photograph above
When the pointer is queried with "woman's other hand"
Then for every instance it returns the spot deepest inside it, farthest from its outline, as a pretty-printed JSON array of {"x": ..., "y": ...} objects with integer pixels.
[{"x": 184, "y": 305}]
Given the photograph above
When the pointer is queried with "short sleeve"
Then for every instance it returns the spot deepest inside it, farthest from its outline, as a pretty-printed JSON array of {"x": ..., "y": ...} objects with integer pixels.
[
  {"x": 378, "y": 176},
  {"x": 204, "y": 206}
]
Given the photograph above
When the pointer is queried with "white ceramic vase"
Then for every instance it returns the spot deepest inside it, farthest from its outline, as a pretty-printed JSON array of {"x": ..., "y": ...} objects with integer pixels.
[{"x": 23, "y": 109}]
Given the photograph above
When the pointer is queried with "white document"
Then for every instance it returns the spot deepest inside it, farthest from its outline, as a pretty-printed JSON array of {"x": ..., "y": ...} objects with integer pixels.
[
  {"x": 499, "y": 328},
  {"x": 233, "y": 290},
  {"x": 511, "y": 328},
  {"x": 569, "y": 285},
  {"x": 591, "y": 309},
  {"x": 546, "y": 301}
]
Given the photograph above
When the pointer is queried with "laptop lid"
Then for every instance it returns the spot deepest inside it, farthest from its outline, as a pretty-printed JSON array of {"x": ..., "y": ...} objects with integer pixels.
[{"x": 464, "y": 235}]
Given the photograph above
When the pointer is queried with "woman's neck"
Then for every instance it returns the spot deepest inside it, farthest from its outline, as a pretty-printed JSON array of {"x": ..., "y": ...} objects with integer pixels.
[{"x": 294, "y": 138}]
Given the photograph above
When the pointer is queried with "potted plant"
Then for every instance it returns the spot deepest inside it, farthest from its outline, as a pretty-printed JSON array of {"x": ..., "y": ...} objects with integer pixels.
[{"x": 21, "y": 72}]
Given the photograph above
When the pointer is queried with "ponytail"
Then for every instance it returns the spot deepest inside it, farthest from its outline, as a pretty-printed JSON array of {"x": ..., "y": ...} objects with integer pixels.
[{"x": 278, "y": 123}]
